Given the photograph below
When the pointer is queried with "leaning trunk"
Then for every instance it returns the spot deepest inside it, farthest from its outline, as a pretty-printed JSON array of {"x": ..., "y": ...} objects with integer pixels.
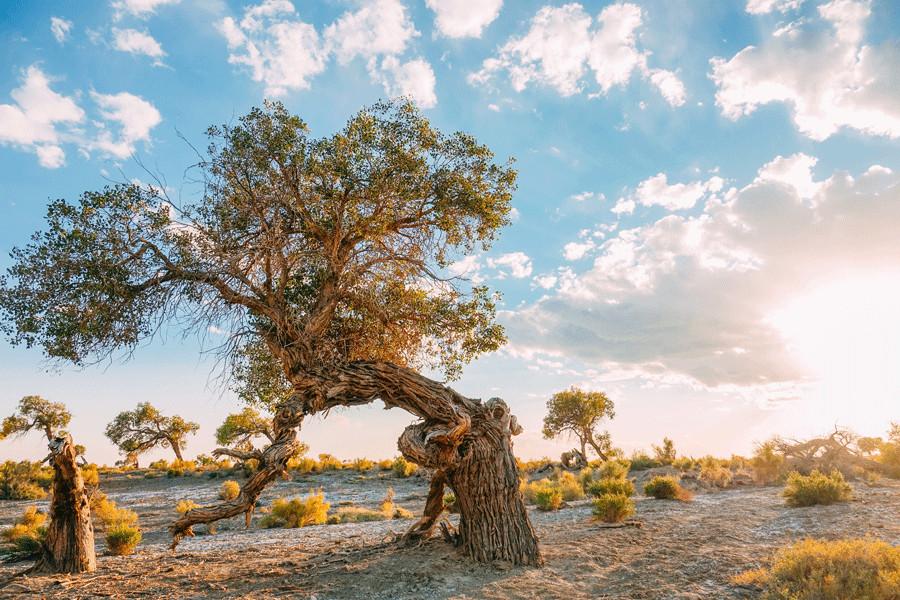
[
  {"x": 69, "y": 545},
  {"x": 177, "y": 449}
]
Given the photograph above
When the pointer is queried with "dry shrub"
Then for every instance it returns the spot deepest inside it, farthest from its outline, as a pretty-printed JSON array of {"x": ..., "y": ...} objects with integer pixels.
[
  {"x": 230, "y": 490},
  {"x": 450, "y": 504},
  {"x": 180, "y": 468},
  {"x": 613, "y": 469},
  {"x": 716, "y": 475},
  {"x": 666, "y": 488},
  {"x": 159, "y": 465},
  {"x": 767, "y": 463},
  {"x": 403, "y": 468},
  {"x": 24, "y": 480},
  {"x": 548, "y": 499},
  {"x": 24, "y": 539},
  {"x": 122, "y": 539},
  {"x": 816, "y": 488},
  {"x": 298, "y": 512},
  {"x": 105, "y": 511},
  {"x": 619, "y": 487},
  {"x": 328, "y": 462},
  {"x": 640, "y": 461},
  {"x": 184, "y": 506},
  {"x": 532, "y": 466},
  {"x": 385, "y": 465},
  {"x": 362, "y": 465},
  {"x": 91, "y": 475},
  {"x": 830, "y": 570},
  {"x": 564, "y": 483},
  {"x": 355, "y": 514},
  {"x": 612, "y": 508},
  {"x": 303, "y": 464}
]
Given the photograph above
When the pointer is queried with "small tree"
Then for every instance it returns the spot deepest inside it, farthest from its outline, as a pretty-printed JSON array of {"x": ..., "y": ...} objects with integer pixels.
[
  {"x": 69, "y": 543},
  {"x": 666, "y": 452},
  {"x": 139, "y": 430},
  {"x": 579, "y": 413},
  {"x": 239, "y": 430}
]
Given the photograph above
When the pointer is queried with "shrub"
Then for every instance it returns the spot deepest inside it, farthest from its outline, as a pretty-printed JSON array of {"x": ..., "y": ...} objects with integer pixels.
[
  {"x": 816, "y": 488},
  {"x": 685, "y": 463},
  {"x": 641, "y": 461},
  {"x": 91, "y": 475},
  {"x": 230, "y": 490},
  {"x": 620, "y": 487},
  {"x": 830, "y": 570},
  {"x": 24, "y": 538},
  {"x": 24, "y": 480},
  {"x": 328, "y": 462},
  {"x": 185, "y": 505},
  {"x": 122, "y": 539},
  {"x": 450, "y": 503},
  {"x": 362, "y": 465},
  {"x": 614, "y": 469},
  {"x": 548, "y": 499},
  {"x": 666, "y": 488},
  {"x": 180, "y": 468},
  {"x": 386, "y": 464},
  {"x": 355, "y": 514},
  {"x": 569, "y": 486},
  {"x": 716, "y": 475},
  {"x": 159, "y": 465},
  {"x": 665, "y": 454},
  {"x": 298, "y": 512},
  {"x": 303, "y": 464},
  {"x": 108, "y": 514},
  {"x": 403, "y": 468},
  {"x": 767, "y": 463},
  {"x": 531, "y": 466},
  {"x": 612, "y": 508}
]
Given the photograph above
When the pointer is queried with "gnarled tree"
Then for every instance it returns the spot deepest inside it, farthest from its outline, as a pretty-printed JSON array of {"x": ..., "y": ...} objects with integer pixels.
[
  {"x": 69, "y": 544},
  {"x": 579, "y": 413},
  {"x": 323, "y": 258},
  {"x": 144, "y": 428}
]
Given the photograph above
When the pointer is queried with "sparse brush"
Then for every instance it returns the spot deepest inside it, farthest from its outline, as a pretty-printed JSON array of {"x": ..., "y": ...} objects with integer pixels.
[
  {"x": 230, "y": 490},
  {"x": 303, "y": 464},
  {"x": 829, "y": 570},
  {"x": 298, "y": 512},
  {"x": 185, "y": 505},
  {"x": 548, "y": 499},
  {"x": 716, "y": 475},
  {"x": 621, "y": 487},
  {"x": 122, "y": 539},
  {"x": 108, "y": 515},
  {"x": 328, "y": 462},
  {"x": 362, "y": 465},
  {"x": 532, "y": 466},
  {"x": 385, "y": 465},
  {"x": 612, "y": 508},
  {"x": 25, "y": 538},
  {"x": 685, "y": 463},
  {"x": 180, "y": 468},
  {"x": 450, "y": 503},
  {"x": 90, "y": 475},
  {"x": 159, "y": 465},
  {"x": 816, "y": 488},
  {"x": 767, "y": 463},
  {"x": 569, "y": 486},
  {"x": 24, "y": 480},
  {"x": 403, "y": 468},
  {"x": 613, "y": 469},
  {"x": 666, "y": 488},
  {"x": 641, "y": 460}
]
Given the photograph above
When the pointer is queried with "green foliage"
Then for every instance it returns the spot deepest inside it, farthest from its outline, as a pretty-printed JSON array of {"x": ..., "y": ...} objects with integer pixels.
[
  {"x": 612, "y": 507},
  {"x": 665, "y": 454},
  {"x": 240, "y": 429},
  {"x": 564, "y": 483},
  {"x": 829, "y": 570},
  {"x": 716, "y": 475},
  {"x": 362, "y": 465},
  {"x": 404, "y": 468},
  {"x": 666, "y": 488},
  {"x": 25, "y": 538},
  {"x": 24, "y": 480},
  {"x": 36, "y": 413},
  {"x": 122, "y": 539},
  {"x": 816, "y": 488},
  {"x": 641, "y": 461},
  {"x": 622, "y": 487},
  {"x": 137, "y": 431},
  {"x": 328, "y": 462},
  {"x": 579, "y": 413},
  {"x": 298, "y": 512},
  {"x": 180, "y": 468},
  {"x": 613, "y": 469},
  {"x": 229, "y": 490},
  {"x": 107, "y": 515},
  {"x": 549, "y": 498},
  {"x": 91, "y": 475},
  {"x": 450, "y": 503},
  {"x": 184, "y": 505},
  {"x": 767, "y": 462}
]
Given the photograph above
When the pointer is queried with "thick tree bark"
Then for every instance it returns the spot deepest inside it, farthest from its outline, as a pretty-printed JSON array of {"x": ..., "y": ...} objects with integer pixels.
[
  {"x": 69, "y": 545},
  {"x": 177, "y": 449}
]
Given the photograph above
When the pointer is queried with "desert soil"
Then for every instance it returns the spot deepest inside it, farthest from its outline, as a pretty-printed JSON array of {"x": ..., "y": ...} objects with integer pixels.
[{"x": 680, "y": 550}]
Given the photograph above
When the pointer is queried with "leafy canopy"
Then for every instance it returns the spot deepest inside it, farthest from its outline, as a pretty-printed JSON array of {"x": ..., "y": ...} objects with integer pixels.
[
  {"x": 36, "y": 413},
  {"x": 137, "y": 431},
  {"x": 307, "y": 251},
  {"x": 241, "y": 428},
  {"x": 579, "y": 413}
]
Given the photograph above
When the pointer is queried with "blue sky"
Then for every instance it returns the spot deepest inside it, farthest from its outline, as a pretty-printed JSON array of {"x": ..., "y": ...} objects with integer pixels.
[{"x": 705, "y": 217}]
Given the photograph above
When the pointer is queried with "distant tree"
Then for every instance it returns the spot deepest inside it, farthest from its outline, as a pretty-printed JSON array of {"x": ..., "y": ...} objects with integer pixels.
[
  {"x": 665, "y": 453},
  {"x": 136, "y": 431},
  {"x": 869, "y": 445},
  {"x": 68, "y": 546},
  {"x": 36, "y": 413},
  {"x": 240, "y": 429},
  {"x": 579, "y": 413}
]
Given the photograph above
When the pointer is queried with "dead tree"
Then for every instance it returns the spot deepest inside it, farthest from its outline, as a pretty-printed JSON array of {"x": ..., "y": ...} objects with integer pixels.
[
  {"x": 837, "y": 450},
  {"x": 325, "y": 258}
]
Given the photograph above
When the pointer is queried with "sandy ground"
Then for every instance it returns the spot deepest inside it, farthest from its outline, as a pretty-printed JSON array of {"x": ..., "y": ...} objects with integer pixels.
[{"x": 681, "y": 550}]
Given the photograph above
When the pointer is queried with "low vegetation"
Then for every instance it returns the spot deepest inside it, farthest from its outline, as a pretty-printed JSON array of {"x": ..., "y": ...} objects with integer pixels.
[
  {"x": 122, "y": 539},
  {"x": 612, "y": 508},
  {"x": 816, "y": 488},
  {"x": 404, "y": 468},
  {"x": 551, "y": 492},
  {"x": 230, "y": 490},
  {"x": 298, "y": 512},
  {"x": 663, "y": 487},
  {"x": 24, "y": 480},
  {"x": 23, "y": 540},
  {"x": 829, "y": 570}
]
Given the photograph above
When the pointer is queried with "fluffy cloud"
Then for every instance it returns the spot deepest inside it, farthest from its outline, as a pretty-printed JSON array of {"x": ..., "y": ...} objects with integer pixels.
[
  {"x": 692, "y": 297},
  {"x": 42, "y": 121},
  {"x": 564, "y": 43},
  {"x": 60, "y": 28},
  {"x": 285, "y": 53},
  {"x": 139, "y": 8},
  {"x": 657, "y": 191},
  {"x": 514, "y": 264},
  {"x": 822, "y": 70},
  {"x": 138, "y": 42},
  {"x": 585, "y": 196},
  {"x": 464, "y": 18},
  {"x": 577, "y": 250},
  {"x": 761, "y": 7}
]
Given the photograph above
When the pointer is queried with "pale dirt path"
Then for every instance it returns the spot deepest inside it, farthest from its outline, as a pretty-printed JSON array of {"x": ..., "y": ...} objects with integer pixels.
[{"x": 683, "y": 550}]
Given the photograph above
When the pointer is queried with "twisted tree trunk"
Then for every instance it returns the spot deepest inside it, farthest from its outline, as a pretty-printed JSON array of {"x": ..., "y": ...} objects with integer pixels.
[
  {"x": 467, "y": 444},
  {"x": 69, "y": 545}
]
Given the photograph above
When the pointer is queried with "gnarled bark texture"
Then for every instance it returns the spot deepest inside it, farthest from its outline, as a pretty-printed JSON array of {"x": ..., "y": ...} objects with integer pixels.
[
  {"x": 465, "y": 442},
  {"x": 69, "y": 545}
]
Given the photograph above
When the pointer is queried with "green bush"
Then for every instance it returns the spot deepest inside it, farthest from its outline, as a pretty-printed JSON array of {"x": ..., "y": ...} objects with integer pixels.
[
  {"x": 362, "y": 465},
  {"x": 767, "y": 463},
  {"x": 403, "y": 468},
  {"x": 185, "y": 505},
  {"x": 612, "y": 508},
  {"x": 830, "y": 570},
  {"x": 816, "y": 488},
  {"x": 122, "y": 539},
  {"x": 613, "y": 469},
  {"x": 328, "y": 462},
  {"x": 298, "y": 512},
  {"x": 24, "y": 539},
  {"x": 450, "y": 503},
  {"x": 641, "y": 461},
  {"x": 548, "y": 499},
  {"x": 24, "y": 480},
  {"x": 159, "y": 465},
  {"x": 230, "y": 490},
  {"x": 666, "y": 488},
  {"x": 621, "y": 487}
]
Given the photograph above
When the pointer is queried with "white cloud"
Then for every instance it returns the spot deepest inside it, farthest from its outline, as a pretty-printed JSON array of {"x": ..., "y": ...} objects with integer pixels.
[
  {"x": 464, "y": 18},
  {"x": 135, "y": 118},
  {"x": 585, "y": 196},
  {"x": 467, "y": 267},
  {"x": 577, "y": 250},
  {"x": 822, "y": 70},
  {"x": 515, "y": 264},
  {"x": 378, "y": 27},
  {"x": 139, "y": 8},
  {"x": 794, "y": 171},
  {"x": 564, "y": 43},
  {"x": 413, "y": 79},
  {"x": 50, "y": 157},
  {"x": 60, "y": 28},
  {"x": 138, "y": 42},
  {"x": 657, "y": 191},
  {"x": 546, "y": 281},
  {"x": 761, "y": 7},
  {"x": 692, "y": 296}
]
